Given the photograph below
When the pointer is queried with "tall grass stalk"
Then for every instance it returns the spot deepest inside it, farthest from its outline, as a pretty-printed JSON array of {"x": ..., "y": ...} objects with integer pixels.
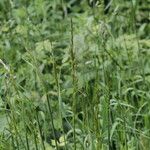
[{"x": 74, "y": 81}]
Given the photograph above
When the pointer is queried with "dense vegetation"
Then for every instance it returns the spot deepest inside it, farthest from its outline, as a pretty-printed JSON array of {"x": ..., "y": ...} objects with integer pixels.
[{"x": 74, "y": 75}]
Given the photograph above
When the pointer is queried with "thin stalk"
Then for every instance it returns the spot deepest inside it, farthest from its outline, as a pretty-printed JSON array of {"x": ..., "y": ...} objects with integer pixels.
[
  {"x": 35, "y": 141},
  {"x": 74, "y": 79},
  {"x": 27, "y": 140},
  {"x": 107, "y": 97},
  {"x": 61, "y": 108},
  {"x": 141, "y": 64},
  {"x": 37, "y": 117},
  {"x": 52, "y": 120}
]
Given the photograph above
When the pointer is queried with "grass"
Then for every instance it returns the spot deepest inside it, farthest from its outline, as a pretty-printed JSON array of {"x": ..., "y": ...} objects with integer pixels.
[{"x": 77, "y": 80}]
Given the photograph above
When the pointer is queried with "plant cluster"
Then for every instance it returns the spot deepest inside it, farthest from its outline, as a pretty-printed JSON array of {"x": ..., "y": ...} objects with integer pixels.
[{"x": 74, "y": 75}]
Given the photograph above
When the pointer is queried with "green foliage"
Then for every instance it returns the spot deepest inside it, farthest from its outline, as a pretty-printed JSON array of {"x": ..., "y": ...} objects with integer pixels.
[{"x": 74, "y": 77}]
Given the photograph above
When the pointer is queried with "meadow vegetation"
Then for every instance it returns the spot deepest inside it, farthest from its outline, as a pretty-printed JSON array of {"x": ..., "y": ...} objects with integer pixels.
[{"x": 74, "y": 76}]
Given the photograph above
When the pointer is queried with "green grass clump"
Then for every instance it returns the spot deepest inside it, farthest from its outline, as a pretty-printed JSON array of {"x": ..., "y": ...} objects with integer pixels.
[{"x": 73, "y": 76}]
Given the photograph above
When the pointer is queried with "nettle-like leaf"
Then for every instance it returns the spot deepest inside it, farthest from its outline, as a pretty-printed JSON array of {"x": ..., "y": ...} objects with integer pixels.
[
  {"x": 3, "y": 122},
  {"x": 129, "y": 40},
  {"x": 20, "y": 29},
  {"x": 79, "y": 45},
  {"x": 43, "y": 47},
  {"x": 145, "y": 43},
  {"x": 20, "y": 14}
]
